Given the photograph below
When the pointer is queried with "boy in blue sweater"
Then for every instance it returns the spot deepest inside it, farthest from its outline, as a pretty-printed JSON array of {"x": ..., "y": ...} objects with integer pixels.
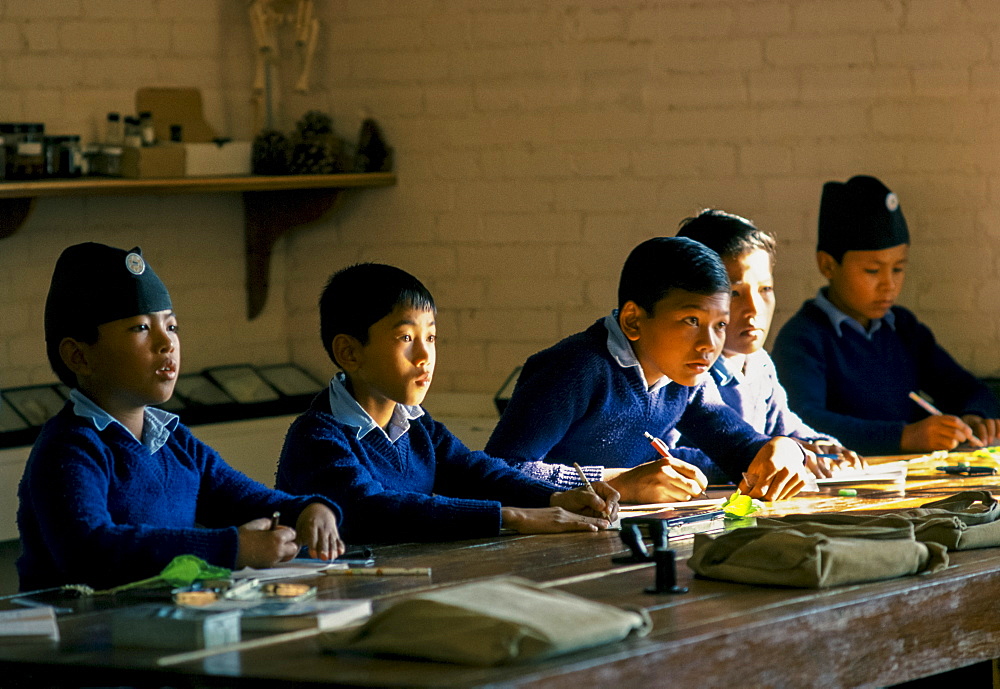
[
  {"x": 850, "y": 357},
  {"x": 398, "y": 474},
  {"x": 114, "y": 488},
  {"x": 591, "y": 397},
  {"x": 744, "y": 374}
]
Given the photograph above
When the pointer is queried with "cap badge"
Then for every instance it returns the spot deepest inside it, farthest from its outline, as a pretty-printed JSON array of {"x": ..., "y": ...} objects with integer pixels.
[
  {"x": 891, "y": 202},
  {"x": 135, "y": 264}
]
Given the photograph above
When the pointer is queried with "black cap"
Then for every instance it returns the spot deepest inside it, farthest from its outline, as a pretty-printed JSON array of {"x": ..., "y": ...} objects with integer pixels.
[
  {"x": 861, "y": 214},
  {"x": 94, "y": 284}
]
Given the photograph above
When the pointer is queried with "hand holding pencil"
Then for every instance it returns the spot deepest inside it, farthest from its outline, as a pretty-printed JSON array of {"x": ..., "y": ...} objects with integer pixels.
[
  {"x": 937, "y": 432},
  {"x": 667, "y": 479}
]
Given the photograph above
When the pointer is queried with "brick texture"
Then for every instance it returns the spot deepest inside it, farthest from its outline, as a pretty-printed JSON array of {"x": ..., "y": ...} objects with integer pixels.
[{"x": 537, "y": 141}]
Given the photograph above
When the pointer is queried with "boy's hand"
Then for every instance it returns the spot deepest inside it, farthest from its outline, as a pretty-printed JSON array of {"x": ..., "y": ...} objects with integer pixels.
[
  {"x": 317, "y": 529},
  {"x": 943, "y": 432},
  {"x": 987, "y": 430},
  {"x": 778, "y": 471},
  {"x": 667, "y": 479},
  {"x": 845, "y": 459},
  {"x": 581, "y": 501},
  {"x": 261, "y": 546},
  {"x": 549, "y": 520}
]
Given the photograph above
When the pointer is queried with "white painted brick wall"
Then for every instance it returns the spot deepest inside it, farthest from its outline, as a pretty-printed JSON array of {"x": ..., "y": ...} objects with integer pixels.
[{"x": 536, "y": 143}]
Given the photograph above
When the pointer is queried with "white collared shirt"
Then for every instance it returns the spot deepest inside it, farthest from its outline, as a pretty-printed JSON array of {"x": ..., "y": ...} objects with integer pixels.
[
  {"x": 156, "y": 428},
  {"x": 346, "y": 410},
  {"x": 621, "y": 350}
]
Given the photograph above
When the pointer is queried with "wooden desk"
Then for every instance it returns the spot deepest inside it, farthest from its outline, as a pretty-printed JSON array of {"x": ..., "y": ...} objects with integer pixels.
[{"x": 718, "y": 634}]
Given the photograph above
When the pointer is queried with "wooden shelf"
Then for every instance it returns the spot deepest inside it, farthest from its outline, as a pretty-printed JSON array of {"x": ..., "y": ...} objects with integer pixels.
[{"x": 272, "y": 205}]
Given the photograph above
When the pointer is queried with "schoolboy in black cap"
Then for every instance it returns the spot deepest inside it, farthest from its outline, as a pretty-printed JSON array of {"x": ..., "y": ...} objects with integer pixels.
[
  {"x": 850, "y": 357},
  {"x": 114, "y": 487}
]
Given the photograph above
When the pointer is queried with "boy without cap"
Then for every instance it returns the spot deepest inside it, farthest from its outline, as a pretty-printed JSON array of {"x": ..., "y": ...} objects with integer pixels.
[
  {"x": 591, "y": 397},
  {"x": 744, "y": 374},
  {"x": 850, "y": 357},
  {"x": 366, "y": 442},
  {"x": 114, "y": 488}
]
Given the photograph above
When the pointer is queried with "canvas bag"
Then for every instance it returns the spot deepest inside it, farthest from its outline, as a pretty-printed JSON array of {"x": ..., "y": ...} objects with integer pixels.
[
  {"x": 812, "y": 558},
  {"x": 490, "y": 622}
]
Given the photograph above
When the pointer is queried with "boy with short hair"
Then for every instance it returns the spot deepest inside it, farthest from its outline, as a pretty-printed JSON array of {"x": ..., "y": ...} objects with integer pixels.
[
  {"x": 744, "y": 374},
  {"x": 591, "y": 397},
  {"x": 850, "y": 357},
  {"x": 398, "y": 474},
  {"x": 114, "y": 488}
]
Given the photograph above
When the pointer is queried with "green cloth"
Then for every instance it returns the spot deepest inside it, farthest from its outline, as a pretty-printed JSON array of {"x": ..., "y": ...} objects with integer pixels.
[{"x": 489, "y": 622}]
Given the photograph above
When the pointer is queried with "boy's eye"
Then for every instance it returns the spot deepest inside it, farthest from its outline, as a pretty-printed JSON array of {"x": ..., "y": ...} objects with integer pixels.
[
  {"x": 172, "y": 328},
  {"x": 767, "y": 289},
  {"x": 721, "y": 325},
  {"x": 432, "y": 338},
  {"x": 140, "y": 327},
  {"x": 406, "y": 338},
  {"x": 691, "y": 320}
]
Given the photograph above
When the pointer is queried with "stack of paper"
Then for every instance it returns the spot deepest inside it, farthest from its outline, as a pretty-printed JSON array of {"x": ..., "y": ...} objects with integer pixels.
[{"x": 890, "y": 471}]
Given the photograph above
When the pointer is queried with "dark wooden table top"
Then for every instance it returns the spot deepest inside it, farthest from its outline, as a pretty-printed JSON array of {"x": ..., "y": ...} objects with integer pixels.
[{"x": 717, "y": 634}]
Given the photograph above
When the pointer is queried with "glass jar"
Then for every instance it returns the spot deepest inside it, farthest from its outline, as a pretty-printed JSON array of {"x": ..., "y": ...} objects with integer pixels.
[
  {"x": 29, "y": 157},
  {"x": 71, "y": 156},
  {"x": 9, "y": 133}
]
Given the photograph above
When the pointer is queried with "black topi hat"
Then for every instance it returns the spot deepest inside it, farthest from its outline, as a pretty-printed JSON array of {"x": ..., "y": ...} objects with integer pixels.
[
  {"x": 861, "y": 214},
  {"x": 94, "y": 284}
]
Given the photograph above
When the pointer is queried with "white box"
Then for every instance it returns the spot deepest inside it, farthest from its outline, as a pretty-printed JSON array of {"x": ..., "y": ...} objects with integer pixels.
[{"x": 230, "y": 158}]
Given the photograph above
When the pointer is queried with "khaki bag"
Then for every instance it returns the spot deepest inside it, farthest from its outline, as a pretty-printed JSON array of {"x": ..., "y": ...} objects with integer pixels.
[{"x": 489, "y": 622}]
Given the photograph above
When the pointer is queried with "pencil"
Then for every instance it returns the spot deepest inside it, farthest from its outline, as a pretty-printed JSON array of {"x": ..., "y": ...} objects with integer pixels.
[
  {"x": 589, "y": 486},
  {"x": 934, "y": 411},
  {"x": 664, "y": 451},
  {"x": 380, "y": 572}
]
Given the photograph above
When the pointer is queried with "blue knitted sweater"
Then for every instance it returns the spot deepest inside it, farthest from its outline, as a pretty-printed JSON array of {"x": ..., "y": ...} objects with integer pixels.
[
  {"x": 426, "y": 486},
  {"x": 97, "y": 508},
  {"x": 856, "y": 388},
  {"x": 573, "y": 402}
]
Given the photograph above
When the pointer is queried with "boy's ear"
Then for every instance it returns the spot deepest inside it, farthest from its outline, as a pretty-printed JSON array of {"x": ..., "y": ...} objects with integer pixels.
[
  {"x": 827, "y": 264},
  {"x": 346, "y": 352},
  {"x": 629, "y": 317},
  {"x": 74, "y": 354}
]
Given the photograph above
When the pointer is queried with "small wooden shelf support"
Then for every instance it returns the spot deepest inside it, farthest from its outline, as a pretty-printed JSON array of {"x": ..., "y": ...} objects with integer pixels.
[{"x": 272, "y": 205}]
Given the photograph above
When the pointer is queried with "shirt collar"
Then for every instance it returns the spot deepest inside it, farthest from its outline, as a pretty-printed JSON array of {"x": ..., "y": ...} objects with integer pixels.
[
  {"x": 156, "y": 428},
  {"x": 838, "y": 318},
  {"x": 346, "y": 410},
  {"x": 723, "y": 376},
  {"x": 621, "y": 350}
]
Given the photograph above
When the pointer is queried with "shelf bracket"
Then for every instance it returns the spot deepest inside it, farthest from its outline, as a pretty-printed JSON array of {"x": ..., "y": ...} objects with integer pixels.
[{"x": 268, "y": 216}]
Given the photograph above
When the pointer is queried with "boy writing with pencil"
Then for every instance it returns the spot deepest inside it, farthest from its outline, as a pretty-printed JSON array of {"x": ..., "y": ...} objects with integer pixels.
[
  {"x": 744, "y": 374},
  {"x": 366, "y": 442},
  {"x": 850, "y": 357},
  {"x": 593, "y": 396},
  {"x": 114, "y": 488}
]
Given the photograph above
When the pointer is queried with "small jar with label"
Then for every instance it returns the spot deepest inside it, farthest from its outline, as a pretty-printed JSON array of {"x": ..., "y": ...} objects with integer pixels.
[
  {"x": 71, "y": 156},
  {"x": 29, "y": 158},
  {"x": 146, "y": 126},
  {"x": 133, "y": 132}
]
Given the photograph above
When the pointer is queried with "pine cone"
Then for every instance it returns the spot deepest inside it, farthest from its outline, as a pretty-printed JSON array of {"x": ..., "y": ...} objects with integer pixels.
[{"x": 269, "y": 153}]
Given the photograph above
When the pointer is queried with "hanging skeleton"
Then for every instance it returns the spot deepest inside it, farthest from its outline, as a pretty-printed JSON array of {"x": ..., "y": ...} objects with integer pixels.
[{"x": 266, "y": 17}]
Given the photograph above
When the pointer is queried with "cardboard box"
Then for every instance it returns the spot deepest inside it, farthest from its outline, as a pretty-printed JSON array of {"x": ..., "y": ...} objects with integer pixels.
[
  {"x": 230, "y": 158},
  {"x": 162, "y": 160}
]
